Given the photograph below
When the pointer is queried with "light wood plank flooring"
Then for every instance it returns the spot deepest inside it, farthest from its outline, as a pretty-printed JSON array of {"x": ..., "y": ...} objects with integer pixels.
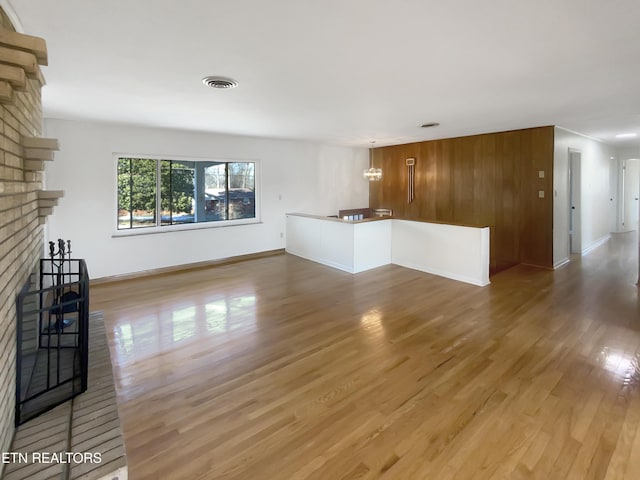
[{"x": 280, "y": 368}]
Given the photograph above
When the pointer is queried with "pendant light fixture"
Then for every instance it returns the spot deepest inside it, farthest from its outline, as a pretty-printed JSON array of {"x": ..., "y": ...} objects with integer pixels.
[{"x": 372, "y": 174}]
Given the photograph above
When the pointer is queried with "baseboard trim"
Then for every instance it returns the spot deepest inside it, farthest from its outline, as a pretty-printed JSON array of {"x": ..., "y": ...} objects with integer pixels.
[
  {"x": 542, "y": 267},
  {"x": 185, "y": 267},
  {"x": 596, "y": 244},
  {"x": 561, "y": 263}
]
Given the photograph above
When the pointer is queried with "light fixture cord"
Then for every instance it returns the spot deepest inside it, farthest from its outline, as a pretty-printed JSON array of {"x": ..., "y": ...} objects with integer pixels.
[{"x": 371, "y": 154}]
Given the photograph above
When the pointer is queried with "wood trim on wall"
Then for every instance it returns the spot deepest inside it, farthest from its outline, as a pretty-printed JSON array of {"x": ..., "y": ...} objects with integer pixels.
[
  {"x": 490, "y": 179},
  {"x": 186, "y": 267}
]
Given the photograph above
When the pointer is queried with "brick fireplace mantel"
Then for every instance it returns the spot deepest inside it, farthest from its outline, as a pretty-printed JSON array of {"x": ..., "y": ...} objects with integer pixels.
[{"x": 24, "y": 204}]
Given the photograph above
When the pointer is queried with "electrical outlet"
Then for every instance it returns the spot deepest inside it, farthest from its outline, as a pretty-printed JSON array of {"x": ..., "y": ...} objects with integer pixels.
[
  {"x": 540, "y": 173},
  {"x": 540, "y": 193}
]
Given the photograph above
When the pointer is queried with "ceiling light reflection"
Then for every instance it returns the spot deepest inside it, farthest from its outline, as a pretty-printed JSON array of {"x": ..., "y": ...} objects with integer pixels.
[{"x": 620, "y": 365}]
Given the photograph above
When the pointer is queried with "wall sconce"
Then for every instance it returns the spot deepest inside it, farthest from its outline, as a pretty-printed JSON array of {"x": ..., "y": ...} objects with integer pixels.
[
  {"x": 372, "y": 174},
  {"x": 411, "y": 163}
]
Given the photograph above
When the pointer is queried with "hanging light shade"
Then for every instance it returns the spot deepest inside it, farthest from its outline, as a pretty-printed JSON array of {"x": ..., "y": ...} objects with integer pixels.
[{"x": 372, "y": 174}]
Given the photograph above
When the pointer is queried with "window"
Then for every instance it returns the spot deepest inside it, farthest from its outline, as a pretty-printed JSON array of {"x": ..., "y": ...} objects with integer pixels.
[{"x": 160, "y": 193}]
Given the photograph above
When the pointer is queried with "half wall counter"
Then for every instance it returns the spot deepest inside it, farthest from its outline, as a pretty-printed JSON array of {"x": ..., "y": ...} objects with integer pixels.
[{"x": 452, "y": 251}]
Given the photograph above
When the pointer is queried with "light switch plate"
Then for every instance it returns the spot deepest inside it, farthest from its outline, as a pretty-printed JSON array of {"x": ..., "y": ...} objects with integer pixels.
[
  {"x": 540, "y": 173},
  {"x": 540, "y": 193}
]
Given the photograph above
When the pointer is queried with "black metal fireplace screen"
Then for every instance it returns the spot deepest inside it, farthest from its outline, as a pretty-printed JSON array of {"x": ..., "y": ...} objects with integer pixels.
[{"x": 52, "y": 334}]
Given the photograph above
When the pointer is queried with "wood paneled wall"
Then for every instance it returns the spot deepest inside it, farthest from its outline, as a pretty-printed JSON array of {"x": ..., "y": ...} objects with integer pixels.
[{"x": 481, "y": 180}]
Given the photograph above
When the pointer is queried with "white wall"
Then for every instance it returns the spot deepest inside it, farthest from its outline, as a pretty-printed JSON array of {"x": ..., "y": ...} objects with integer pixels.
[
  {"x": 451, "y": 251},
  {"x": 307, "y": 177},
  {"x": 346, "y": 245},
  {"x": 597, "y": 201}
]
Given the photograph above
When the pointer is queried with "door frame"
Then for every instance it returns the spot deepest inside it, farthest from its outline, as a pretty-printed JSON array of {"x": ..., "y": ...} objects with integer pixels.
[
  {"x": 628, "y": 207},
  {"x": 575, "y": 201}
]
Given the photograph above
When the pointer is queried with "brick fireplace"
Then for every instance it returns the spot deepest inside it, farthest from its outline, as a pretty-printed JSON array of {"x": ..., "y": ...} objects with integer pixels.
[{"x": 24, "y": 204}]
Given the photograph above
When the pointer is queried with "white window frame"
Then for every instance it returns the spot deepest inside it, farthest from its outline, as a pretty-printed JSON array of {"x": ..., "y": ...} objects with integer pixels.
[{"x": 185, "y": 226}]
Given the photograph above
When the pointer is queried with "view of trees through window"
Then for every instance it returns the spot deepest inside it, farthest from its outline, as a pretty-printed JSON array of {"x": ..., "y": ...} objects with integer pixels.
[{"x": 169, "y": 192}]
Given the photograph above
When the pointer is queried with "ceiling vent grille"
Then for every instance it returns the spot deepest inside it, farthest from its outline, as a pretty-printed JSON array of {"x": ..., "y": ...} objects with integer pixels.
[{"x": 219, "y": 82}]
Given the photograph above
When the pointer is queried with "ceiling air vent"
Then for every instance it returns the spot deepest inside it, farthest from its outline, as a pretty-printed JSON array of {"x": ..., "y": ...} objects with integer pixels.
[{"x": 219, "y": 82}]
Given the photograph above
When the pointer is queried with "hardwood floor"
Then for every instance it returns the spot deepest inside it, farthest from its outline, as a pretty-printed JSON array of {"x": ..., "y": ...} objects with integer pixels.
[{"x": 280, "y": 368}]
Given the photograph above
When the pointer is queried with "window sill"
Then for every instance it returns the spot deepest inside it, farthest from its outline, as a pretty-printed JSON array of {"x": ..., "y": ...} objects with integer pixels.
[{"x": 183, "y": 228}]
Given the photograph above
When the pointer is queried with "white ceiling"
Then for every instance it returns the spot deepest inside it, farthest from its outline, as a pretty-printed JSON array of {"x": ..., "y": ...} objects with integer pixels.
[{"x": 344, "y": 71}]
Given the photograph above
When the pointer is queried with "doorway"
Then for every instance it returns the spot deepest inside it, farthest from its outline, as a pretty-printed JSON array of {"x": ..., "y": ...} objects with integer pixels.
[
  {"x": 575, "y": 233},
  {"x": 630, "y": 194}
]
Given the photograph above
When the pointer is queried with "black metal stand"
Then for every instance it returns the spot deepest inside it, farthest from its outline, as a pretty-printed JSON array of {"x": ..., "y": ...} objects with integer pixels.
[{"x": 52, "y": 334}]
